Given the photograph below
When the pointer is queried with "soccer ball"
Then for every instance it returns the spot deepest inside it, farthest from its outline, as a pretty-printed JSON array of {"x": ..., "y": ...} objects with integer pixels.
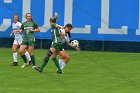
[{"x": 75, "y": 43}]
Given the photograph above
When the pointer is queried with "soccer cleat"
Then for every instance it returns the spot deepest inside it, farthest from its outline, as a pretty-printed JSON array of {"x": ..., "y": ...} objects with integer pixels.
[
  {"x": 33, "y": 66},
  {"x": 25, "y": 64},
  {"x": 38, "y": 69},
  {"x": 15, "y": 64},
  {"x": 59, "y": 71}
]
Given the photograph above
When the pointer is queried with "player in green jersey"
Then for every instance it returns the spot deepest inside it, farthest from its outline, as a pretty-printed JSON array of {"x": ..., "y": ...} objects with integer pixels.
[
  {"x": 28, "y": 28},
  {"x": 55, "y": 48}
]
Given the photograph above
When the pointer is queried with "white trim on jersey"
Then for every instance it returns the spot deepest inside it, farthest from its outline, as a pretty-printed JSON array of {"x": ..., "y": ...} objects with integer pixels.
[{"x": 55, "y": 36}]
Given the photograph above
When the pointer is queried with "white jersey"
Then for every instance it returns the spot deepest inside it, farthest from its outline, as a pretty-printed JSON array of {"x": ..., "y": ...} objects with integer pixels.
[
  {"x": 17, "y": 26},
  {"x": 66, "y": 37}
]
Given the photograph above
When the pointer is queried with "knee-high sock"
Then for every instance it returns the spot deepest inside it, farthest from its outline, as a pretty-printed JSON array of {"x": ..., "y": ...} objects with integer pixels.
[
  {"x": 33, "y": 60},
  {"x": 56, "y": 63},
  {"x": 24, "y": 58},
  {"x": 15, "y": 57},
  {"x": 63, "y": 64},
  {"x": 28, "y": 56},
  {"x": 46, "y": 59}
]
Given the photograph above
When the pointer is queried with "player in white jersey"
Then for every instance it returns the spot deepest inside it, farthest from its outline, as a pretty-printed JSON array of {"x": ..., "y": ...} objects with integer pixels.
[
  {"x": 18, "y": 39},
  {"x": 64, "y": 57}
]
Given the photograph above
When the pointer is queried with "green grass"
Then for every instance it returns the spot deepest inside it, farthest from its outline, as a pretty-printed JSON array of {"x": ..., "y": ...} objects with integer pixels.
[{"x": 87, "y": 72}]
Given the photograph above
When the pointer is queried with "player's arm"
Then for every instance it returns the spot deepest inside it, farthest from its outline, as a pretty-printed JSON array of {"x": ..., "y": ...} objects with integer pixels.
[
  {"x": 58, "y": 26},
  {"x": 15, "y": 31},
  {"x": 75, "y": 47},
  {"x": 36, "y": 28}
]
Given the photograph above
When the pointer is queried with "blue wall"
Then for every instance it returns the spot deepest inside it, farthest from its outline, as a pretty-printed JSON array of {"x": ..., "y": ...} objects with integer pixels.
[{"x": 84, "y": 12}]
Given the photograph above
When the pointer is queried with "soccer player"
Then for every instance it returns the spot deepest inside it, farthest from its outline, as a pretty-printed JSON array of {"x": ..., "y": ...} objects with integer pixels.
[
  {"x": 64, "y": 57},
  {"x": 18, "y": 39},
  {"x": 55, "y": 48},
  {"x": 28, "y": 28}
]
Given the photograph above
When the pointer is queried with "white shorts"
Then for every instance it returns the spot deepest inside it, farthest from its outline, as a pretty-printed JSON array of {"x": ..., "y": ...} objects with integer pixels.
[{"x": 17, "y": 41}]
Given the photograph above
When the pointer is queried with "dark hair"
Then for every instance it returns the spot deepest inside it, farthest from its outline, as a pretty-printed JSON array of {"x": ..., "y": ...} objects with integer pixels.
[
  {"x": 69, "y": 34},
  {"x": 53, "y": 19},
  {"x": 31, "y": 15},
  {"x": 18, "y": 17},
  {"x": 69, "y": 25}
]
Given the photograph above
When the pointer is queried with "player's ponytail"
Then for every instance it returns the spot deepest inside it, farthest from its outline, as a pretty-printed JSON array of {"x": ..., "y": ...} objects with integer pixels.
[{"x": 69, "y": 34}]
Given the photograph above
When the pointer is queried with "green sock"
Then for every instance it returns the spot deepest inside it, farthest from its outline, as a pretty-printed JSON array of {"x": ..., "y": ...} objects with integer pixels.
[
  {"x": 56, "y": 64},
  {"x": 33, "y": 60},
  {"x": 24, "y": 58},
  {"x": 44, "y": 64}
]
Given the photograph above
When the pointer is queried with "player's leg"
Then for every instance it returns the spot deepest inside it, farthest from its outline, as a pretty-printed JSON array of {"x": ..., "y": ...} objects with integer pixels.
[
  {"x": 14, "y": 50},
  {"x": 30, "y": 50},
  {"x": 26, "y": 53},
  {"x": 58, "y": 47},
  {"x": 56, "y": 62},
  {"x": 64, "y": 58},
  {"x": 22, "y": 54},
  {"x": 46, "y": 59}
]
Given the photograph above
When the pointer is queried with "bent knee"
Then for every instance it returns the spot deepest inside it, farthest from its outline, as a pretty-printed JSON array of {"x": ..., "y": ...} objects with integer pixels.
[
  {"x": 21, "y": 52},
  {"x": 67, "y": 58}
]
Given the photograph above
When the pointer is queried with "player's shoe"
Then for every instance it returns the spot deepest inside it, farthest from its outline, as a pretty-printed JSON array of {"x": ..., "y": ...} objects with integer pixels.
[
  {"x": 25, "y": 64},
  {"x": 38, "y": 69},
  {"x": 15, "y": 64},
  {"x": 33, "y": 66},
  {"x": 59, "y": 71}
]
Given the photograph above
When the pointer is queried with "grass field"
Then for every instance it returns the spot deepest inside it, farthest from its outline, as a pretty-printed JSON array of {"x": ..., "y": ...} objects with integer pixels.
[{"x": 87, "y": 72}]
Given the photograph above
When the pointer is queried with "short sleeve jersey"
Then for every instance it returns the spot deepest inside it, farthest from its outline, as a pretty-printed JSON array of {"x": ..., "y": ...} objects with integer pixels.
[
  {"x": 56, "y": 37},
  {"x": 28, "y": 35}
]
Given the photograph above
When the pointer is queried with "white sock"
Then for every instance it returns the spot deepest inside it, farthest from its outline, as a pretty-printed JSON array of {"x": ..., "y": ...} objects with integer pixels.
[
  {"x": 28, "y": 56},
  {"x": 60, "y": 62},
  {"x": 15, "y": 57},
  {"x": 63, "y": 64}
]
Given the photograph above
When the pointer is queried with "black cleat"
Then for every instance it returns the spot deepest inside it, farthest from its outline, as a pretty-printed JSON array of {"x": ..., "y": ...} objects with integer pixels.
[
  {"x": 59, "y": 72},
  {"x": 15, "y": 64},
  {"x": 38, "y": 69}
]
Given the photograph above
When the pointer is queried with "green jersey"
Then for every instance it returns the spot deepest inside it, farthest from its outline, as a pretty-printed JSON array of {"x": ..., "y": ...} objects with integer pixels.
[
  {"x": 56, "y": 38},
  {"x": 28, "y": 35}
]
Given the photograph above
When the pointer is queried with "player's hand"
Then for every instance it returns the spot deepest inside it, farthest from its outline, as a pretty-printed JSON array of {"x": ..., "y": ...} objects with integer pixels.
[
  {"x": 56, "y": 15},
  {"x": 77, "y": 48},
  {"x": 31, "y": 29}
]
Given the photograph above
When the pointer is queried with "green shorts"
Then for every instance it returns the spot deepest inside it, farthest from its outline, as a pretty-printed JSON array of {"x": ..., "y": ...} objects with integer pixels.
[
  {"x": 57, "y": 46},
  {"x": 28, "y": 43}
]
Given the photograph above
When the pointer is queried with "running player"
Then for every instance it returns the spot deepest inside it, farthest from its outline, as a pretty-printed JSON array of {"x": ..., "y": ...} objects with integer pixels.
[
  {"x": 64, "y": 57},
  {"x": 28, "y": 27},
  {"x": 55, "y": 48},
  {"x": 18, "y": 39}
]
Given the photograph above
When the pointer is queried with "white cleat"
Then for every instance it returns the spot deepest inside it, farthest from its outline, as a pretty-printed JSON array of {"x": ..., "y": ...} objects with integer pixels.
[
  {"x": 33, "y": 66},
  {"x": 25, "y": 64}
]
